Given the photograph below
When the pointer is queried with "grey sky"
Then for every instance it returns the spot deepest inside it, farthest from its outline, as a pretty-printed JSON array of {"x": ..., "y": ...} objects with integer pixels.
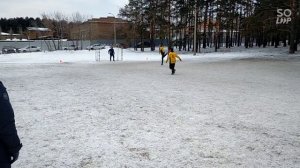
[{"x": 34, "y": 8}]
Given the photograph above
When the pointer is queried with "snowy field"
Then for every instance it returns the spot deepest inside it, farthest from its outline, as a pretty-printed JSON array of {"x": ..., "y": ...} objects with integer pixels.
[{"x": 236, "y": 108}]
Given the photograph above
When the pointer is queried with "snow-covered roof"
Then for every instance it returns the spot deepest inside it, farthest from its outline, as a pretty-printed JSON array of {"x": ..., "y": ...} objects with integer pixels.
[
  {"x": 4, "y": 34},
  {"x": 38, "y": 29},
  {"x": 7, "y": 34}
]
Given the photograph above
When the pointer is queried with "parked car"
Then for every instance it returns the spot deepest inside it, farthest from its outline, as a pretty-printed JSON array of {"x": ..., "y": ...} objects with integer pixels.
[
  {"x": 147, "y": 44},
  {"x": 30, "y": 49},
  {"x": 10, "y": 49},
  {"x": 71, "y": 47},
  {"x": 95, "y": 47}
]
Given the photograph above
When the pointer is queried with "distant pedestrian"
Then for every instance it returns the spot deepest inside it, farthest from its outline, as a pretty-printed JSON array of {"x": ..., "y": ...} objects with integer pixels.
[
  {"x": 172, "y": 57},
  {"x": 111, "y": 53},
  {"x": 9, "y": 140},
  {"x": 162, "y": 52}
]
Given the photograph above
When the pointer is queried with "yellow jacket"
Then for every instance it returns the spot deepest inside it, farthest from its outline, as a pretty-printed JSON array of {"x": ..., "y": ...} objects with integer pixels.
[
  {"x": 161, "y": 49},
  {"x": 172, "y": 57}
]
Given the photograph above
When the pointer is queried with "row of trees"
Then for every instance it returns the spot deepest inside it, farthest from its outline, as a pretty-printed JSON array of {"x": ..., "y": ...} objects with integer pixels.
[
  {"x": 217, "y": 22},
  {"x": 58, "y": 22},
  {"x": 19, "y": 25}
]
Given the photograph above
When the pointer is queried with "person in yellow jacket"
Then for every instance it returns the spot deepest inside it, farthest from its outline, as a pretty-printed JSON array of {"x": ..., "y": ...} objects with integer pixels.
[
  {"x": 172, "y": 57},
  {"x": 162, "y": 52}
]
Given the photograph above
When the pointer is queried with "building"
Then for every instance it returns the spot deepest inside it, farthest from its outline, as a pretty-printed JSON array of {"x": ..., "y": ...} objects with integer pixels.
[
  {"x": 9, "y": 36},
  {"x": 34, "y": 33},
  {"x": 101, "y": 29}
]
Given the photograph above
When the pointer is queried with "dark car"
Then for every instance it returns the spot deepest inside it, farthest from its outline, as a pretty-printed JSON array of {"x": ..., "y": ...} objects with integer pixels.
[
  {"x": 147, "y": 44},
  {"x": 10, "y": 49}
]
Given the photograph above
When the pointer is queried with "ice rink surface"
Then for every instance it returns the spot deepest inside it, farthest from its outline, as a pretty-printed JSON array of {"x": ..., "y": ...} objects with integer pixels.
[{"x": 214, "y": 112}]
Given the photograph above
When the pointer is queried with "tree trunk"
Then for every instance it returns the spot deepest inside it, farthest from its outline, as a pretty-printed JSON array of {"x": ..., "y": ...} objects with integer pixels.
[{"x": 205, "y": 24}]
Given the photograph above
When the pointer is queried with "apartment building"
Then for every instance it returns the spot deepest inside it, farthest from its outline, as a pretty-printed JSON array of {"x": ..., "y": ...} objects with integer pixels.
[{"x": 100, "y": 29}]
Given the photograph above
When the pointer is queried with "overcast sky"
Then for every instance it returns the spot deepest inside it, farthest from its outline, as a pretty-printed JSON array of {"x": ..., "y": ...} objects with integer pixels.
[{"x": 34, "y": 8}]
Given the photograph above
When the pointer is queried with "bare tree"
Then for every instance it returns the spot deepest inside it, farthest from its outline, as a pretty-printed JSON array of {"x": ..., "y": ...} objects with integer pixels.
[
  {"x": 79, "y": 18},
  {"x": 59, "y": 24}
]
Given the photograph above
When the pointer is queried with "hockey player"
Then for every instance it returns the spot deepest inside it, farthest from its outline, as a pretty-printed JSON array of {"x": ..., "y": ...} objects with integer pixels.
[{"x": 111, "y": 53}]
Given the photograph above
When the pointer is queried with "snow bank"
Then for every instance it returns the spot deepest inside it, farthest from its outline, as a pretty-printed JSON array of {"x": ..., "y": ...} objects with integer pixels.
[{"x": 85, "y": 56}]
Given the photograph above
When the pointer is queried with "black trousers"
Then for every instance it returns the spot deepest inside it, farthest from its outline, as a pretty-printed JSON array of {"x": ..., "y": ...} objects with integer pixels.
[
  {"x": 172, "y": 67},
  {"x": 162, "y": 57},
  {"x": 113, "y": 57}
]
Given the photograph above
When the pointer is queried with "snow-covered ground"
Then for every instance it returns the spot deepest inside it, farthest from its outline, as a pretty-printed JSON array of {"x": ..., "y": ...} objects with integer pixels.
[{"x": 236, "y": 108}]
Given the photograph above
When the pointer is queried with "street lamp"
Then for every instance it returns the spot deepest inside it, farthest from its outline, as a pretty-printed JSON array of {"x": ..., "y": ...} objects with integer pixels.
[{"x": 115, "y": 33}]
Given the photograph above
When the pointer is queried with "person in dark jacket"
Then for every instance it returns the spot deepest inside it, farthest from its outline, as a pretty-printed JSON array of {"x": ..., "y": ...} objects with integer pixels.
[
  {"x": 9, "y": 141},
  {"x": 111, "y": 53}
]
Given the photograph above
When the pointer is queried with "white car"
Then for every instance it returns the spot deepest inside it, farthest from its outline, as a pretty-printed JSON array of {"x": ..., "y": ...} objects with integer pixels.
[
  {"x": 30, "y": 49},
  {"x": 95, "y": 47},
  {"x": 71, "y": 47}
]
